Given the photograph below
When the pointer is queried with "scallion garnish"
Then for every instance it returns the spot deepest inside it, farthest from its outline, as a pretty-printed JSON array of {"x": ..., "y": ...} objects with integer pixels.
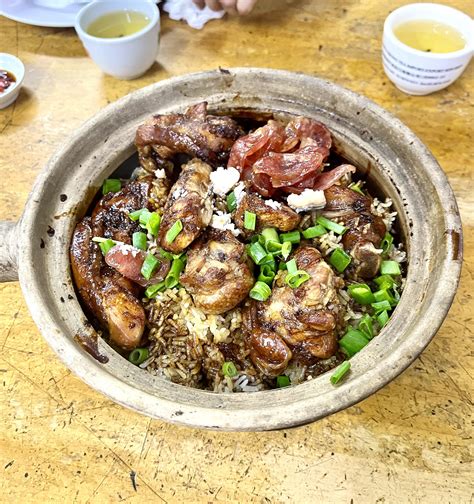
[
  {"x": 149, "y": 266},
  {"x": 385, "y": 282},
  {"x": 384, "y": 295},
  {"x": 270, "y": 234},
  {"x": 269, "y": 260},
  {"x": 153, "y": 224},
  {"x": 257, "y": 252},
  {"x": 340, "y": 259},
  {"x": 111, "y": 185},
  {"x": 153, "y": 290},
  {"x": 144, "y": 217},
  {"x": 292, "y": 237},
  {"x": 353, "y": 341},
  {"x": 172, "y": 278},
  {"x": 340, "y": 372},
  {"x": 382, "y": 318},
  {"x": 139, "y": 240},
  {"x": 138, "y": 356},
  {"x": 361, "y": 293},
  {"x": 250, "y": 220},
  {"x": 386, "y": 243},
  {"x": 314, "y": 231},
  {"x": 286, "y": 249},
  {"x": 390, "y": 268},
  {"x": 274, "y": 247},
  {"x": 134, "y": 216},
  {"x": 281, "y": 266},
  {"x": 282, "y": 381},
  {"x": 166, "y": 255},
  {"x": 231, "y": 202},
  {"x": 267, "y": 274},
  {"x": 174, "y": 231},
  {"x": 291, "y": 266},
  {"x": 356, "y": 187},
  {"x": 365, "y": 325},
  {"x": 297, "y": 278},
  {"x": 105, "y": 244},
  {"x": 331, "y": 225},
  {"x": 260, "y": 291},
  {"x": 380, "y": 306},
  {"x": 229, "y": 369}
]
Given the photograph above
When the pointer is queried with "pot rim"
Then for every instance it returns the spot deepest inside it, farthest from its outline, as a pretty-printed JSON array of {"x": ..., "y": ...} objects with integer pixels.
[{"x": 271, "y": 415}]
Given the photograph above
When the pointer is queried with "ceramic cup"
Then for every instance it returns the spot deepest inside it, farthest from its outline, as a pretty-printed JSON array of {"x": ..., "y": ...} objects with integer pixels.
[
  {"x": 125, "y": 57},
  {"x": 13, "y": 65},
  {"x": 417, "y": 72}
]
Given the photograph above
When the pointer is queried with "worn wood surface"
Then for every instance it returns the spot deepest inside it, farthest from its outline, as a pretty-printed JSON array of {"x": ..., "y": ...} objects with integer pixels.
[{"x": 62, "y": 442}]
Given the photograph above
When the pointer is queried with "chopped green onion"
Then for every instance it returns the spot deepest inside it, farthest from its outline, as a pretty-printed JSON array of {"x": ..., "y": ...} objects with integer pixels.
[
  {"x": 356, "y": 187},
  {"x": 134, "y": 216},
  {"x": 231, "y": 202},
  {"x": 291, "y": 266},
  {"x": 172, "y": 278},
  {"x": 139, "y": 240},
  {"x": 361, "y": 293},
  {"x": 281, "y": 266},
  {"x": 174, "y": 231},
  {"x": 286, "y": 249},
  {"x": 111, "y": 185},
  {"x": 149, "y": 266},
  {"x": 105, "y": 244},
  {"x": 353, "y": 341},
  {"x": 250, "y": 220},
  {"x": 340, "y": 372},
  {"x": 386, "y": 243},
  {"x": 331, "y": 225},
  {"x": 385, "y": 282},
  {"x": 144, "y": 217},
  {"x": 257, "y": 253},
  {"x": 138, "y": 355},
  {"x": 283, "y": 381},
  {"x": 314, "y": 232},
  {"x": 297, "y": 278},
  {"x": 390, "y": 268},
  {"x": 274, "y": 247},
  {"x": 292, "y": 237},
  {"x": 258, "y": 238},
  {"x": 340, "y": 259},
  {"x": 153, "y": 290},
  {"x": 365, "y": 325},
  {"x": 382, "y": 318},
  {"x": 384, "y": 295},
  {"x": 229, "y": 369},
  {"x": 267, "y": 274},
  {"x": 269, "y": 260},
  {"x": 270, "y": 234},
  {"x": 380, "y": 306},
  {"x": 260, "y": 291},
  {"x": 153, "y": 223},
  {"x": 166, "y": 255}
]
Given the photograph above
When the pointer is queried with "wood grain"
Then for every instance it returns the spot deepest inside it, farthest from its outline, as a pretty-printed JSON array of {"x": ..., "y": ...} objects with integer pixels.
[{"x": 62, "y": 442}]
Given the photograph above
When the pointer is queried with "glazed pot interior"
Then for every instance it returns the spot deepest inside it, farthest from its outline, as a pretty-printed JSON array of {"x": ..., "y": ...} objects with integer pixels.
[{"x": 394, "y": 162}]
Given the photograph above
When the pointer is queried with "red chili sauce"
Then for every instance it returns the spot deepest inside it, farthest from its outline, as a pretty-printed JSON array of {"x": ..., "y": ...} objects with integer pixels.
[{"x": 6, "y": 80}]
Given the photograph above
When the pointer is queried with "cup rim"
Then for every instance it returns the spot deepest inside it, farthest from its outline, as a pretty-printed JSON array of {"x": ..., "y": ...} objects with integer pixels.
[
  {"x": 117, "y": 40},
  {"x": 388, "y": 32}
]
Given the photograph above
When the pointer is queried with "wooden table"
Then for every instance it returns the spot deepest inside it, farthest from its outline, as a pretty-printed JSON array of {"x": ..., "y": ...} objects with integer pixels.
[{"x": 63, "y": 442}]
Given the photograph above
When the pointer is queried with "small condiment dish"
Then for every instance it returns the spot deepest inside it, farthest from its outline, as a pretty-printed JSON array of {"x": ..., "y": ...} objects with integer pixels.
[
  {"x": 417, "y": 72},
  {"x": 15, "y": 67}
]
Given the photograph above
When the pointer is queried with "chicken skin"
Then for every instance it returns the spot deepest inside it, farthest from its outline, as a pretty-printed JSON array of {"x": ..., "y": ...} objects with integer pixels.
[
  {"x": 365, "y": 230},
  {"x": 189, "y": 201},
  {"x": 194, "y": 133},
  {"x": 282, "y": 218},
  {"x": 303, "y": 318},
  {"x": 218, "y": 274}
]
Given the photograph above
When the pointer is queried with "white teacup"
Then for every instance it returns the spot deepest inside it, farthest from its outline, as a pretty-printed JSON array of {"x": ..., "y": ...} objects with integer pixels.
[
  {"x": 125, "y": 57},
  {"x": 417, "y": 72}
]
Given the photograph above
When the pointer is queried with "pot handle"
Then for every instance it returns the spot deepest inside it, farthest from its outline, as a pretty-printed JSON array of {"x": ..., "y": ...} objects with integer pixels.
[{"x": 8, "y": 252}]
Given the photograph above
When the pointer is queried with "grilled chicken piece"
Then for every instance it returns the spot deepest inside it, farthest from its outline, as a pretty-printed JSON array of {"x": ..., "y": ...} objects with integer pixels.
[
  {"x": 282, "y": 218},
  {"x": 365, "y": 230},
  {"x": 218, "y": 273},
  {"x": 190, "y": 200},
  {"x": 110, "y": 216},
  {"x": 195, "y": 133},
  {"x": 110, "y": 297},
  {"x": 305, "y": 317}
]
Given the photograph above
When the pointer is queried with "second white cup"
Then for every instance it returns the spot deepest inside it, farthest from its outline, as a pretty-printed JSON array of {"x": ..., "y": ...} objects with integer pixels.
[{"x": 125, "y": 57}]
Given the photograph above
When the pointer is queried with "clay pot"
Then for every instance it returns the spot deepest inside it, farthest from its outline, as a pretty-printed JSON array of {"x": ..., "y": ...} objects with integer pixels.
[{"x": 394, "y": 160}]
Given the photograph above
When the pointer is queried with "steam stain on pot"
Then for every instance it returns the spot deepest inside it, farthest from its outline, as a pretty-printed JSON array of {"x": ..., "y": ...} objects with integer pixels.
[
  {"x": 456, "y": 247},
  {"x": 50, "y": 232}
]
